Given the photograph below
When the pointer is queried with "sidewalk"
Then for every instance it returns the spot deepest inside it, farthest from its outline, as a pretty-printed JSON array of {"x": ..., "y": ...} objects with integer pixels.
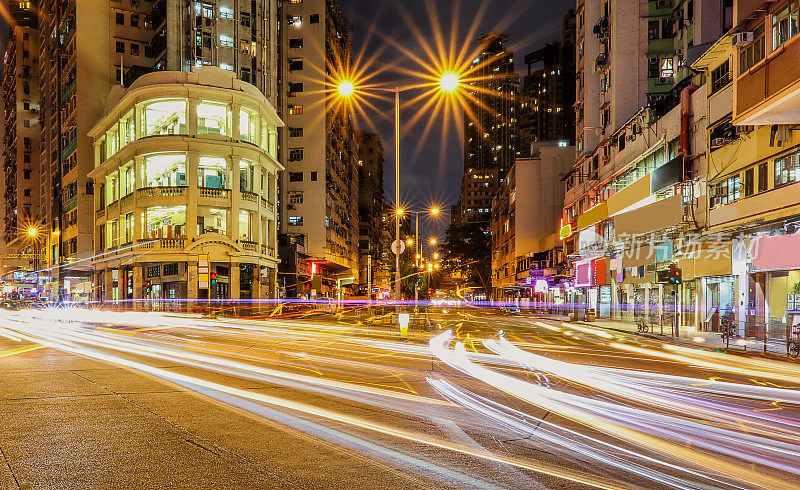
[{"x": 694, "y": 338}]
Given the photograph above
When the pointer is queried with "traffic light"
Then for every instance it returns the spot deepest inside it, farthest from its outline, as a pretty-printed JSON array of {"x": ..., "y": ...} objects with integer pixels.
[
  {"x": 213, "y": 278},
  {"x": 148, "y": 286}
]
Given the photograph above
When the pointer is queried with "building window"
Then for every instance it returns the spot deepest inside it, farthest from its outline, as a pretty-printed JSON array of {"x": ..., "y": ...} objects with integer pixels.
[
  {"x": 784, "y": 25},
  {"x": 295, "y": 132},
  {"x": 749, "y": 182},
  {"x": 226, "y": 13},
  {"x": 295, "y": 176},
  {"x": 726, "y": 191},
  {"x": 295, "y": 64},
  {"x": 752, "y": 54},
  {"x": 245, "y": 75},
  {"x": 295, "y": 221},
  {"x": 295, "y": 110},
  {"x": 212, "y": 220},
  {"x": 763, "y": 171},
  {"x": 296, "y": 43},
  {"x": 295, "y": 154},
  {"x": 120, "y": 19},
  {"x": 171, "y": 269},
  {"x": 168, "y": 170},
  {"x": 245, "y": 19},
  {"x": 135, "y": 20},
  {"x": 314, "y": 19},
  {"x": 313, "y": 176},
  {"x": 134, "y": 49},
  {"x": 786, "y": 170},
  {"x": 720, "y": 77},
  {"x": 165, "y": 117},
  {"x": 225, "y": 41},
  {"x": 296, "y": 87},
  {"x": 667, "y": 68},
  {"x": 120, "y": 47},
  {"x": 213, "y": 118},
  {"x": 295, "y": 198},
  {"x": 294, "y": 20},
  {"x": 211, "y": 172}
]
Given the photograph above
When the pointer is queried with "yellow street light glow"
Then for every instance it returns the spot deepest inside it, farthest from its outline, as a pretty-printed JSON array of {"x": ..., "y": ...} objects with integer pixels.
[
  {"x": 436, "y": 266},
  {"x": 32, "y": 231},
  {"x": 449, "y": 82},
  {"x": 436, "y": 255},
  {"x": 435, "y": 211},
  {"x": 433, "y": 241},
  {"x": 346, "y": 89},
  {"x": 430, "y": 267},
  {"x": 410, "y": 241},
  {"x": 399, "y": 212}
]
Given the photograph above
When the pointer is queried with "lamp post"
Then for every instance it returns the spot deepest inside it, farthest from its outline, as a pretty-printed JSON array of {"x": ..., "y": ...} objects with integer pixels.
[{"x": 449, "y": 82}]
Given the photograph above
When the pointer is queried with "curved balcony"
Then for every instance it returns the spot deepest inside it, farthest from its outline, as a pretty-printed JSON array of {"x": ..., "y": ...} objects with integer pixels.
[
  {"x": 248, "y": 196},
  {"x": 167, "y": 191},
  {"x": 214, "y": 193},
  {"x": 249, "y": 246},
  {"x": 162, "y": 244}
]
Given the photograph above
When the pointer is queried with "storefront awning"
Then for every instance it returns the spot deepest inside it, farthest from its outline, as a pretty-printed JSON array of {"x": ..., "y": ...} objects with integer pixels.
[{"x": 657, "y": 216}]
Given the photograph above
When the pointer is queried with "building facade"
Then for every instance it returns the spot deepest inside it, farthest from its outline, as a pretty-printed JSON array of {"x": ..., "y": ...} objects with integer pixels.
[
  {"x": 235, "y": 35},
  {"x": 547, "y": 97},
  {"x": 489, "y": 126},
  {"x": 370, "y": 206},
  {"x": 21, "y": 128},
  {"x": 319, "y": 189},
  {"x": 525, "y": 215},
  {"x": 186, "y": 177}
]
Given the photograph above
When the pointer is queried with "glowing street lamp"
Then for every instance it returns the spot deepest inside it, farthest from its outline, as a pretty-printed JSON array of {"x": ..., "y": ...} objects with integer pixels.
[
  {"x": 449, "y": 82},
  {"x": 346, "y": 89},
  {"x": 410, "y": 242},
  {"x": 32, "y": 232},
  {"x": 433, "y": 241}
]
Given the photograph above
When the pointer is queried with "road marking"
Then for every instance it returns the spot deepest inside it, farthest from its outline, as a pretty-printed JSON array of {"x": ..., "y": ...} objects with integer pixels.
[{"x": 20, "y": 350}]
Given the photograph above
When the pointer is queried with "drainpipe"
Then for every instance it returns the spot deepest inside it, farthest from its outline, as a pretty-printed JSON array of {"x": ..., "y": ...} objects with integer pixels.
[{"x": 686, "y": 116}]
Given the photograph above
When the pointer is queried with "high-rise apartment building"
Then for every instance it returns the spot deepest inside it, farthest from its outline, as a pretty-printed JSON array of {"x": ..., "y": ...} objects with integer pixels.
[
  {"x": 489, "y": 120},
  {"x": 370, "y": 204},
  {"x": 21, "y": 128},
  {"x": 547, "y": 97},
  {"x": 319, "y": 188},
  {"x": 85, "y": 45},
  {"x": 235, "y": 35}
]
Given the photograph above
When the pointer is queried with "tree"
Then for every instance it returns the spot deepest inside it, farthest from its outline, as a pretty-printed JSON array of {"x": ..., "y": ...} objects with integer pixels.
[{"x": 468, "y": 251}]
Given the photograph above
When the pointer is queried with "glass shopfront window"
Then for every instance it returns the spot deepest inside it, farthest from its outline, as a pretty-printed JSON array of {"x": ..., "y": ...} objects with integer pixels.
[
  {"x": 212, "y": 220},
  {"x": 779, "y": 285},
  {"x": 165, "y": 222},
  {"x": 213, "y": 118},
  {"x": 164, "y": 117},
  {"x": 248, "y": 130},
  {"x": 212, "y": 172},
  {"x": 165, "y": 170}
]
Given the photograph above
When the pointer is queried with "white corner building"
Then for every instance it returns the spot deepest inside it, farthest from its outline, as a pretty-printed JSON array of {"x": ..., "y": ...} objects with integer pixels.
[{"x": 185, "y": 178}]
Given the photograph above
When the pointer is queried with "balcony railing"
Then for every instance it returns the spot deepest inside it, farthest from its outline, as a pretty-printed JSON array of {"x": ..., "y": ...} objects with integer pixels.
[
  {"x": 100, "y": 213},
  {"x": 249, "y": 246},
  {"x": 265, "y": 250},
  {"x": 250, "y": 197},
  {"x": 125, "y": 200},
  {"x": 162, "y": 244},
  {"x": 170, "y": 191},
  {"x": 214, "y": 193}
]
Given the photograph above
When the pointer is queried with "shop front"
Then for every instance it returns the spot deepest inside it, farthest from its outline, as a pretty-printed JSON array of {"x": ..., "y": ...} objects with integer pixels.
[{"x": 775, "y": 283}]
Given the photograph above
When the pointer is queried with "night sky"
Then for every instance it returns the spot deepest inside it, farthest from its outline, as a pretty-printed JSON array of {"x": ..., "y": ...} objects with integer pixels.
[{"x": 433, "y": 172}]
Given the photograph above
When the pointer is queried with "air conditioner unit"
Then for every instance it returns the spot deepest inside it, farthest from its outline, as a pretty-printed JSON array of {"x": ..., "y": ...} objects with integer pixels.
[
  {"x": 665, "y": 80},
  {"x": 792, "y": 162},
  {"x": 742, "y": 39},
  {"x": 630, "y": 137},
  {"x": 718, "y": 142},
  {"x": 664, "y": 4},
  {"x": 742, "y": 129}
]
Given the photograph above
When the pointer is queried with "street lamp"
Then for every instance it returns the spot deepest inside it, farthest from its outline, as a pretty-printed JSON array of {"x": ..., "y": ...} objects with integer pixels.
[
  {"x": 449, "y": 82},
  {"x": 433, "y": 241}
]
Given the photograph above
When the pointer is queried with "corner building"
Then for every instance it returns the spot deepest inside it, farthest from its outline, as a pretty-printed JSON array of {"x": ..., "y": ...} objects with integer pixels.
[{"x": 185, "y": 167}]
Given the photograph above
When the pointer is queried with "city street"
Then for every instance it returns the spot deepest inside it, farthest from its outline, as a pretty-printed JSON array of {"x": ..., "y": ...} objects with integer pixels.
[{"x": 123, "y": 399}]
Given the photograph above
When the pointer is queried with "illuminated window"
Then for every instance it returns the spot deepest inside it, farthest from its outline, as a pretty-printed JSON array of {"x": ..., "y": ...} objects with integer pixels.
[
  {"x": 165, "y": 117},
  {"x": 212, "y": 118}
]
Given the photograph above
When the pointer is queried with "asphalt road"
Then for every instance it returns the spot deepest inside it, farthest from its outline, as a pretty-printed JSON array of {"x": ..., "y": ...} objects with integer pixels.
[{"x": 121, "y": 399}]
